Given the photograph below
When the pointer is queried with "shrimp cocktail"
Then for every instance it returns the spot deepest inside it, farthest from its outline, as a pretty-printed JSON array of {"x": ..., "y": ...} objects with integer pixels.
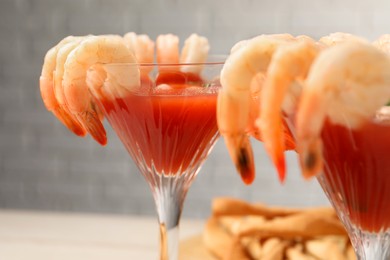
[
  {"x": 328, "y": 99},
  {"x": 164, "y": 112}
]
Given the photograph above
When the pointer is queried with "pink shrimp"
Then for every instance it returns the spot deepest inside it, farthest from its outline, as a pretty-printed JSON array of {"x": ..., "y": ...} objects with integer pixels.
[
  {"x": 92, "y": 50},
  {"x": 347, "y": 84},
  {"x": 290, "y": 64},
  {"x": 46, "y": 83},
  {"x": 195, "y": 50},
  {"x": 167, "y": 47},
  {"x": 141, "y": 45},
  {"x": 235, "y": 100},
  {"x": 62, "y": 55},
  {"x": 383, "y": 43}
]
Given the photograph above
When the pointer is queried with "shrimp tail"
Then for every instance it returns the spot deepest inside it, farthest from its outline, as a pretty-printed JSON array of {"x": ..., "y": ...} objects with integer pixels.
[
  {"x": 69, "y": 122},
  {"x": 277, "y": 156},
  {"x": 311, "y": 157},
  {"x": 309, "y": 127},
  {"x": 273, "y": 138},
  {"x": 236, "y": 138},
  {"x": 53, "y": 106},
  {"x": 240, "y": 151},
  {"x": 288, "y": 143},
  {"x": 91, "y": 122},
  {"x": 281, "y": 167}
]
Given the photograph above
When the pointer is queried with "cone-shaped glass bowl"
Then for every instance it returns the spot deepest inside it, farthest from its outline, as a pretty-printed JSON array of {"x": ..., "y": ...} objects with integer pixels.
[{"x": 356, "y": 179}]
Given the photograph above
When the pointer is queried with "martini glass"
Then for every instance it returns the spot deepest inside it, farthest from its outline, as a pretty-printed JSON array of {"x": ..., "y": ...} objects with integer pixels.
[
  {"x": 356, "y": 179},
  {"x": 168, "y": 126}
]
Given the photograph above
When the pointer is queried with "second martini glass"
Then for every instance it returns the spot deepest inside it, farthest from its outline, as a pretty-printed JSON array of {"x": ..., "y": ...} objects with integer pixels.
[
  {"x": 168, "y": 126},
  {"x": 356, "y": 179}
]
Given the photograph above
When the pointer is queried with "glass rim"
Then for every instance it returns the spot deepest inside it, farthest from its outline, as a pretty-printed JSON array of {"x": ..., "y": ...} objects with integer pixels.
[{"x": 219, "y": 60}]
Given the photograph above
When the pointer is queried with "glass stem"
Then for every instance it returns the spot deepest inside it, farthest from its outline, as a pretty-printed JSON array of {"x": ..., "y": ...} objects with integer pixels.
[
  {"x": 169, "y": 242},
  {"x": 370, "y": 246},
  {"x": 169, "y": 196}
]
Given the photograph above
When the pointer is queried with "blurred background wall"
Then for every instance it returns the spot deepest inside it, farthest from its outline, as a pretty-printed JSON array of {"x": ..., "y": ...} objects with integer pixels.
[{"x": 45, "y": 167}]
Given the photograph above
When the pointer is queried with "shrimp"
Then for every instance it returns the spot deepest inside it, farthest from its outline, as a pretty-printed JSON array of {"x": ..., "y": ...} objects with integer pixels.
[
  {"x": 167, "y": 48},
  {"x": 94, "y": 49},
  {"x": 62, "y": 55},
  {"x": 239, "y": 45},
  {"x": 141, "y": 45},
  {"x": 339, "y": 37},
  {"x": 347, "y": 83},
  {"x": 234, "y": 101},
  {"x": 143, "y": 48},
  {"x": 46, "y": 82},
  {"x": 195, "y": 50},
  {"x": 110, "y": 81},
  {"x": 281, "y": 36},
  {"x": 289, "y": 66},
  {"x": 383, "y": 43}
]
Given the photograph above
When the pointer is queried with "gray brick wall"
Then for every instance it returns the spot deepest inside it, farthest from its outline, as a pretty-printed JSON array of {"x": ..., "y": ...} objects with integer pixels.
[{"x": 43, "y": 166}]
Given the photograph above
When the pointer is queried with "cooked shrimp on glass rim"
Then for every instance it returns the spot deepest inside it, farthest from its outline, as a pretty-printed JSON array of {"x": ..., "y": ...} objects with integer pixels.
[
  {"x": 46, "y": 83},
  {"x": 75, "y": 67},
  {"x": 243, "y": 77},
  {"x": 352, "y": 77},
  {"x": 298, "y": 83}
]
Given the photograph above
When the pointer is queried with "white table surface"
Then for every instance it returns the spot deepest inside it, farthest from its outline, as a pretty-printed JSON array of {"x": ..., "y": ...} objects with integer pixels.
[{"x": 63, "y": 236}]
